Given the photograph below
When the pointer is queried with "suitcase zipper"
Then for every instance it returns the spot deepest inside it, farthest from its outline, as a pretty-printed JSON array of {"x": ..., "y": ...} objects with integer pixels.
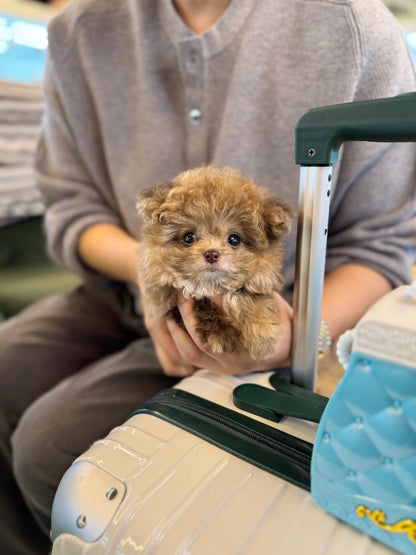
[
  {"x": 244, "y": 430},
  {"x": 264, "y": 446}
]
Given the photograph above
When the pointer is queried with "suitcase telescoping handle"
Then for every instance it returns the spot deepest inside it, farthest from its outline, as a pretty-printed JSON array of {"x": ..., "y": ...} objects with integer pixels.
[{"x": 320, "y": 132}]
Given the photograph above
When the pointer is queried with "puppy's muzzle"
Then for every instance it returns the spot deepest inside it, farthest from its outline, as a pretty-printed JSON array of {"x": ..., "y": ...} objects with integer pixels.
[{"x": 211, "y": 256}]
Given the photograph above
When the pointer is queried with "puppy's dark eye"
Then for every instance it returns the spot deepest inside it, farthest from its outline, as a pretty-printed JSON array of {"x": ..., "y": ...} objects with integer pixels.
[
  {"x": 189, "y": 238},
  {"x": 234, "y": 240}
]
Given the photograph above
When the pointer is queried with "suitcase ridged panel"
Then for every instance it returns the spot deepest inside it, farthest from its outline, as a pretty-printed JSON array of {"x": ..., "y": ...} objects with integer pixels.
[{"x": 188, "y": 496}]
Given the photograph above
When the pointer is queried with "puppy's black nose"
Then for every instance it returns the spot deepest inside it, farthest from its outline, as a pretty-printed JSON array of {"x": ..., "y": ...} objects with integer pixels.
[{"x": 211, "y": 256}]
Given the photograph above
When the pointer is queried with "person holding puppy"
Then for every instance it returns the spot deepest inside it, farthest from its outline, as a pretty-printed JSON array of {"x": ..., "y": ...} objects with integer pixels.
[{"x": 135, "y": 93}]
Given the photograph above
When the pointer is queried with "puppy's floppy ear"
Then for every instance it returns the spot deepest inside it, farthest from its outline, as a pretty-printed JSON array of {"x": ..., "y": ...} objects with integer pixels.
[
  {"x": 150, "y": 201},
  {"x": 277, "y": 217}
]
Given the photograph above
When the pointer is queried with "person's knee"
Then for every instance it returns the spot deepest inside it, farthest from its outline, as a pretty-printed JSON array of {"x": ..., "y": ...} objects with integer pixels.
[{"x": 38, "y": 463}]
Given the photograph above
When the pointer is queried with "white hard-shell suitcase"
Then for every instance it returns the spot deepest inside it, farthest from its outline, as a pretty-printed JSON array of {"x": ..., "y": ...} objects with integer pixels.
[
  {"x": 211, "y": 466},
  {"x": 153, "y": 487}
]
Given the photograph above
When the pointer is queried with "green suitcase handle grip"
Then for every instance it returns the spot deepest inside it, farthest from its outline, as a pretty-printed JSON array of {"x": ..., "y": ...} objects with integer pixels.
[{"x": 320, "y": 132}]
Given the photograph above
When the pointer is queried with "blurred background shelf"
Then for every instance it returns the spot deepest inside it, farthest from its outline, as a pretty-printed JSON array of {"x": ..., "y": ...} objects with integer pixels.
[
  {"x": 404, "y": 11},
  {"x": 26, "y": 271},
  {"x": 32, "y": 9}
]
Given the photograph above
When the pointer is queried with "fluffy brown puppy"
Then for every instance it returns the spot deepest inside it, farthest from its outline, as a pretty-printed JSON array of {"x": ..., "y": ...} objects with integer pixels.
[{"x": 212, "y": 231}]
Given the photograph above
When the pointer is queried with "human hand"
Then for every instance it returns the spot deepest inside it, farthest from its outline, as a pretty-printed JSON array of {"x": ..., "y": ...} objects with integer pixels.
[
  {"x": 197, "y": 354},
  {"x": 171, "y": 360}
]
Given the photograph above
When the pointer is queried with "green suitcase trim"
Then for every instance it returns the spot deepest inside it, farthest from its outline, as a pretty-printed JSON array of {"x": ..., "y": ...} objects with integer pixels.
[{"x": 270, "y": 449}]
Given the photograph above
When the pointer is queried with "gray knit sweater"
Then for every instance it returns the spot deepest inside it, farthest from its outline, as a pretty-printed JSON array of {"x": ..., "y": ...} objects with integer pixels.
[{"x": 133, "y": 97}]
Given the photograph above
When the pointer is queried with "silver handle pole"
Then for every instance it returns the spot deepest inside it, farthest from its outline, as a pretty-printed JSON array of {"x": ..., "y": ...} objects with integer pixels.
[{"x": 313, "y": 214}]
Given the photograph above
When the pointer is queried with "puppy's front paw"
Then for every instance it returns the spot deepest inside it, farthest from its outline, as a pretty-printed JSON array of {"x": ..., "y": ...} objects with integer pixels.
[
  {"x": 215, "y": 329},
  {"x": 260, "y": 338},
  {"x": 260, "y": 328}
]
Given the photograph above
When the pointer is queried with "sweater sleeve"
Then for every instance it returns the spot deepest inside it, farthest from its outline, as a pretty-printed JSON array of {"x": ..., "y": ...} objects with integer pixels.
[
  {"x": 73, "y": 196},
  {"x": 373, "y": 214}
]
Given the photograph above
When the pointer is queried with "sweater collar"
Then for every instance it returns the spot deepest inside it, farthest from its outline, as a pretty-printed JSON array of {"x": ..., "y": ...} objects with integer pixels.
[{"x": 217, "y": 37}]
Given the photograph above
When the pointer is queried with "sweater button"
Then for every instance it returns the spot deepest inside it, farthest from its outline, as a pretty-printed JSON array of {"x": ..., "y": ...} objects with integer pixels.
[{"x": 195, "y": 117}]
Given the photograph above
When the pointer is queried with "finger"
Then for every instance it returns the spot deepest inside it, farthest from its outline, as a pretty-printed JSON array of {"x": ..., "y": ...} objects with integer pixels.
[
  {"x": 225, "y": 363},
  {"x": 186, "y": 309},
  {"x": 168, "y": 355},
  {"x": 188, "y": 349},
  {"x": 173, "y": 368},
  {"x": 193, "y": 349},
  {"x": 281, "y": 355}
]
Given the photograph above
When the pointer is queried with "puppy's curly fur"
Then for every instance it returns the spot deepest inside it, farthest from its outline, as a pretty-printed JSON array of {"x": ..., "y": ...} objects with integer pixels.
[{"x": 213, "y": 231}]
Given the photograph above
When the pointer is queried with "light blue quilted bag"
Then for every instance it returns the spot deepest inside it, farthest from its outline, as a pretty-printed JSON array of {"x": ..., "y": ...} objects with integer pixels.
[{"x": 364, "y": 458}]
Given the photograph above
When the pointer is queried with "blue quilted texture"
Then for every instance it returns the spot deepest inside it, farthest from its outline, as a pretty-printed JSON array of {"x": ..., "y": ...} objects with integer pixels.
[{"x": 364, "y": 459}]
